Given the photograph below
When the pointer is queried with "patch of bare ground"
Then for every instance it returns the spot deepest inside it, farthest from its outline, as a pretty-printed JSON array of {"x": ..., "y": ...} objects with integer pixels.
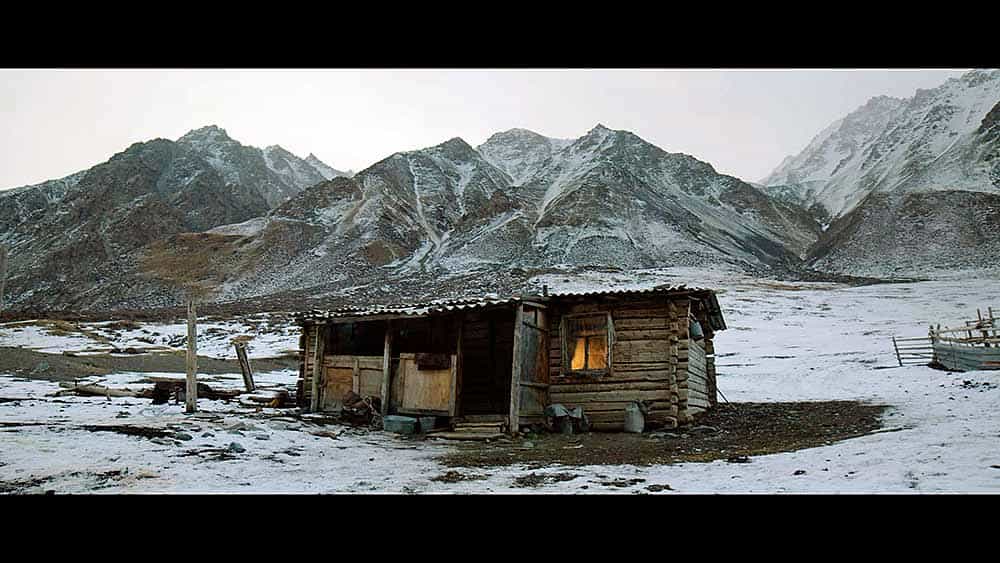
[
  {"x": 735, "y": 432},
  {"x": 63, "y": 367}
]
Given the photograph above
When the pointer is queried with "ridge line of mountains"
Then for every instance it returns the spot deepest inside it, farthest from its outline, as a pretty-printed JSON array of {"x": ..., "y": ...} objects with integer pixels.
[{"x": 896, "y": 188}]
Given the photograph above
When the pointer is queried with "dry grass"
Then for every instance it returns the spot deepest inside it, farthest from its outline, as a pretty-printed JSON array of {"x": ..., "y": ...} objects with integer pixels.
[{"x": 190, "y": 260}]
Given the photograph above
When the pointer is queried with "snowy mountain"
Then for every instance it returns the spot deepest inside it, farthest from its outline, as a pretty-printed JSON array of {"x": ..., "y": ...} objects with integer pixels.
[
  {"x": 520, "y": 153},
  {"x": 449, "y": 221},
  {"x": 328, "y": 172},
  {"x": 72, "y": 237},
  {"x": 908, "y": 186},
  {"x": 933, "y": 141}
]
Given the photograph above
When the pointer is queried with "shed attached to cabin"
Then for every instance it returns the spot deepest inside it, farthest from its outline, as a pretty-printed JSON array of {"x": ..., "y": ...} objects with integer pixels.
[{"x": 507, "y": 359}]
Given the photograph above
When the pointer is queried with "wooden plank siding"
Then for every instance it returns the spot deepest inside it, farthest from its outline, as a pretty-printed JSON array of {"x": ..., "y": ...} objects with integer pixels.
[
  {"x": 642, "y": 367},
  {"x": 966, "y": 358}
]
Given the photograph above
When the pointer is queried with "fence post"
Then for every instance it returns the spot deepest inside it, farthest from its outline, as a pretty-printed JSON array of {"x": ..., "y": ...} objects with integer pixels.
[
  {"x": 898, "y": 359},
  {"x": 191, "y": 391},
  {"x": 3, "y": 272}
]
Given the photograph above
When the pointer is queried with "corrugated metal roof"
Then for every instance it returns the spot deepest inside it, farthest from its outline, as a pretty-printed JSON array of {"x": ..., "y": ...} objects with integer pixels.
[
  {"x": 465, "y": 304},
  {"x": 651, "y": 290},
  {"x": 409, "y": 310}
]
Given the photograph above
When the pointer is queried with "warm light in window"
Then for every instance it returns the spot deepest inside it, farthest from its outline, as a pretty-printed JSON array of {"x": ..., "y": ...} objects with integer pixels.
[
  {"x": 597, "y": 358},
  {"x": 587, "y": 340},
  {"x": 579, "y": 354}
]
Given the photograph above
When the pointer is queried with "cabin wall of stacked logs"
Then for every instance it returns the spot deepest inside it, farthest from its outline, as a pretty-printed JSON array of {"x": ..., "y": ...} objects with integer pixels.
[{"x": 652, "y": 359}]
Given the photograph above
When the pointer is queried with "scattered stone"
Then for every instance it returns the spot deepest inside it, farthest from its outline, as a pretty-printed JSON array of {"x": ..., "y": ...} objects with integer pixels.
[
  {"x": 236, "y": 447},
  {"x": 528, "y": 444},
  {"x": 704, "y": 430},
  {"x": 455, "y": 477},
  {"x": 207, "y": 435},
  {"x": 799, "y": 472},
  {"x": 184, "y": 436},
  {"x": 162, "y": 441},
  {"x": 262, "y": 437},
  {"x": 622, "y": 482},
  {"x": 738, "y": 459},
  {"x": 535, "y": 480},
  {"x": 658, "y": 488}
]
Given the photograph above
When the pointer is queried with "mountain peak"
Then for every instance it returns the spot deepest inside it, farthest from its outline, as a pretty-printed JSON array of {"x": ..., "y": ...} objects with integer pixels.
[
  {"x": 206, "y": 134},
  {"x": 456, "y": 147},
  {"x": 277, "y": 149},
  {"x": 455, "y": 142},
  {"x": 515, "y": 133}
]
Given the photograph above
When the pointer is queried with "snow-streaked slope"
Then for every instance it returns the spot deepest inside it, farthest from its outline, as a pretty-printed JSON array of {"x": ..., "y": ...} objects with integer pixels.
[
  {"x": 520, "y": 153},
  {"x": 324, "y": 169},
  {"x": 932, "y": 141}
]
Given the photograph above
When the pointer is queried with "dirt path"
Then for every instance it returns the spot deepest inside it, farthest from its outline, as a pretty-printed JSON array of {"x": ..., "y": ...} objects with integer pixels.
[
  {"x": 731, "y": 431},
  {"x": 60, "y": 367}
]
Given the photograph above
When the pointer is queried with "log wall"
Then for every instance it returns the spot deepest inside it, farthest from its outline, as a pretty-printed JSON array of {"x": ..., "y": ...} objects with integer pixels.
[{"x": 645, "y": 356}]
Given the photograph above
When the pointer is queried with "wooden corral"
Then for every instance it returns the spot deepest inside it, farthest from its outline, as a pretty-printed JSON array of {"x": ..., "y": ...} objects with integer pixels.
[
  {"x": 976, "y": 346},
  {"x": 479, "y": 361}
]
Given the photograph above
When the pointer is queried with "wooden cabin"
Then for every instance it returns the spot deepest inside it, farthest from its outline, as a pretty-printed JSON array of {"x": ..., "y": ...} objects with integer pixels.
[{"x": 507, "y": 359}]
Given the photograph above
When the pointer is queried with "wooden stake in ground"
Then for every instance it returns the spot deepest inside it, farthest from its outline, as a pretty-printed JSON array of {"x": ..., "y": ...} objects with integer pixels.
[
  {"x": 241, "y": 356},
  {"x": 191, "y": 393},
  {"x": 3, "y": 272}
]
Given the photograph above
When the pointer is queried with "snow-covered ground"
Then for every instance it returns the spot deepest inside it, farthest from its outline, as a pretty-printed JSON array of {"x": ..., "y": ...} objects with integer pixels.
[
  {"x": 786, "y": 342},
  {"x": 266, "y": 337}
]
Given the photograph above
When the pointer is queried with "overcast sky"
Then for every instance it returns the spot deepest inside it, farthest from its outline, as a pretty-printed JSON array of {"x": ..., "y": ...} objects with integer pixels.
[{"x": 743, "y": 122}]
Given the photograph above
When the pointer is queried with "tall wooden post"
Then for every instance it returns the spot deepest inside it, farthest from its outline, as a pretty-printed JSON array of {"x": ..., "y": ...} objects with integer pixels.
[
  {"x": 515, "y": 372},
  {"x": 387, "y": 368},
  {"x": 319, "y": 350},
  {"x": 244, "y": 360},
  {"x": 3, "y": 272},
  {"x": 191, "y": 393}
]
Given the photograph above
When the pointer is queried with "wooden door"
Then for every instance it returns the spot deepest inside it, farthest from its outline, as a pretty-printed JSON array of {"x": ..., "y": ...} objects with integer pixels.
[{"x": 530, "y": 370}]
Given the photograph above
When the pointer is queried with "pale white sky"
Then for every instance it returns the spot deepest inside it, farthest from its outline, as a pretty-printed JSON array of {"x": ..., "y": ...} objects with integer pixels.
[{"x": 743, "y": 122}]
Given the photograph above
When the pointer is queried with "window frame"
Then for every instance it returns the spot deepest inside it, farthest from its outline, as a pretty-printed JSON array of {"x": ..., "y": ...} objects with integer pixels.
[{"x": 566, "y": 368}]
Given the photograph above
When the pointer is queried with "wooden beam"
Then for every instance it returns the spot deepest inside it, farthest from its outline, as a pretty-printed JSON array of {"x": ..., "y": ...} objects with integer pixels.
[
  {"x": 386, "y": 368},
  {"x": 245, "y": 369},
  {"x": 318, "y": 350},
  {"x": 356, "y": 376},
  {"x": 456, "y": 372},
  {"x": 3, "y": 272},
  {"x": 515, "y": 372},
  {"x": 191, "y": 390}
]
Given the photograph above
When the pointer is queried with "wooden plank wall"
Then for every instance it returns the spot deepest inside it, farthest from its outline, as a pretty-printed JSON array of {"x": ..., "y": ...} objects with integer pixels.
[
  {"x": 424, "y": 390},
  {"x": 306, "y": 353},
  {"x": 713, "y": 390},
  {"x": 695, "y": 390},
  {"x": 967, "y": 358},
  {"x": 343, "y": 373},
  {"x": 340, "y": 374},
  {"x": 646, "y": 332}
]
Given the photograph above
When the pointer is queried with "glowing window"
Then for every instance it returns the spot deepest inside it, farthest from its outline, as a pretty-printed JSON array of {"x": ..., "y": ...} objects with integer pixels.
[{"x": 586, "y": 342}]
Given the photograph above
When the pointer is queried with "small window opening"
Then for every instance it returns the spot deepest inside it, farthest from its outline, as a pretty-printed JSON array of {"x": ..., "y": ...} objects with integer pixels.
[{"x": 587, "y": 342}]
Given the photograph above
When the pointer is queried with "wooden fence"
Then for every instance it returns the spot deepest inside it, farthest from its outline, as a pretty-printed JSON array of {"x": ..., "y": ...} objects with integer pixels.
[
  {"x": 972, "y": 347},
  {"x": 913, "y": 351}
]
